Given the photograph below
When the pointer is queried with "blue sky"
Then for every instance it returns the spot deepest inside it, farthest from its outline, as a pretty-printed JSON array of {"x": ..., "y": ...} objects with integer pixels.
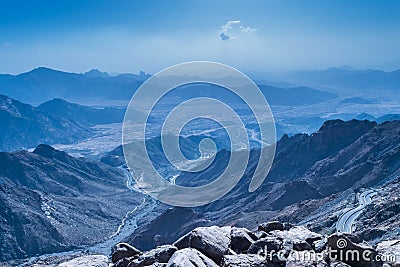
[{"x": 254, "y": 36}]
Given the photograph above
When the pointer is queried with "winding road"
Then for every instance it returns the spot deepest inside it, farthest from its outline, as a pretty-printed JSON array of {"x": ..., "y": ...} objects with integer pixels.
[{"x": 347, "y": 219}]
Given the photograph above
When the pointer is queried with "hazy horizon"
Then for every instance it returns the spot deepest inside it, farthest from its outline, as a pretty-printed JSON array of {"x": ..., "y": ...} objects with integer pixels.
[
  {"x": 256, "y": 73},
  {"x": 253, "y": 36}
]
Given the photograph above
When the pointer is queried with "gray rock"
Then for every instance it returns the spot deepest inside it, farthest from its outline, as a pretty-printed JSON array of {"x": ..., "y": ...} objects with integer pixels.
[
  {"x": 189, "y": 257},
  {"x": 265, "y": 245},
  {"x": 271, "y": 226},
  {"x": 86, "y": 261},
  {"x": 301, "y": 245},
  {"x": 212, "y": 241},
  {"x": 305, "y": 259},
  {"x": 338, "y": 264},
  {"x": 355, "y": 255},
  {"x": 319, "y": 245},
  {"x": 287, "y": 226},
  {"x": 296, "y": 234},
  {"x": 123, "y": 250},
  {"x": 241, "y": 239},
  {"x": 161, "y": 254},
  {"x": 243, "y": 260},
  {"x": 124, "y": 262},
  {"x": 260, "y": 234},
  {"x": 390, "y": 248}
]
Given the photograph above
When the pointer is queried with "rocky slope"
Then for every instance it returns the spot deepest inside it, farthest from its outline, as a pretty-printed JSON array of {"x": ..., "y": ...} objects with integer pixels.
[
  {"x": 23, "y": 126},
  {"x": 313, "y": 179},
  {"x": 83, "y": 115},
  {"x": 50, "y": 201},
  {"x": 272, "y": 244}
]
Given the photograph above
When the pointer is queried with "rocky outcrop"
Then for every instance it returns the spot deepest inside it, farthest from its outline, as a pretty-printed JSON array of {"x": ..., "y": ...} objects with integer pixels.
[
  {"x": 241, "y": 239},
  {"x": 291, "y": 246},
  {"x": 161, "y": 255},
  {"x": 390, "y": 249},
  {"x": 354, "y": 254},
  {"x": 123, "y": 250},
  {"x": 271, "y": 226},
  {"x": 211, "y": 241},
  {"x": 189, "y": 257},
  {"x": 242, "y": 260}
]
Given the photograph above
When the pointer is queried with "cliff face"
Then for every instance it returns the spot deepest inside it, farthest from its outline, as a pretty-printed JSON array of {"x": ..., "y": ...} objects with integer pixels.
[{"x": 50, "y": 201}]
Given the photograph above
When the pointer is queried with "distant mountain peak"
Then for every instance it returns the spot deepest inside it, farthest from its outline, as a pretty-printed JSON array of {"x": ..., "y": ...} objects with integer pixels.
[
  {"x": 95, "y": 73},
  {"x": 43, "y": 70},
  {"x": 47, "y": 151}
]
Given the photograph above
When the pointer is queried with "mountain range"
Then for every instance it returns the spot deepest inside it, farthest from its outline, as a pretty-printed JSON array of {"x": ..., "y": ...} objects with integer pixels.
[
  {"x": 24, "y": 126},
  {"x": 312, "y": 179},
  {"x": 343, "y": 78},
  {"x": 53, "y": 202},
  {"x": 67, "y": 202},
  {"x": 43, "y": 84}
]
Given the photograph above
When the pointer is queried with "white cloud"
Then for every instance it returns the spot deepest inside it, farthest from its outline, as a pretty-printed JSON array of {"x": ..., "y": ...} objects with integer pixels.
[
  {"x": 233, "y": 29},
  {"x": 247, "y": 29}
]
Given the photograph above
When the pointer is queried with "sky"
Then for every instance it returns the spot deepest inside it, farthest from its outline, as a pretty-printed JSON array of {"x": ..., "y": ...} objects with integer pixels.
[{"x": 149, "y": 35}]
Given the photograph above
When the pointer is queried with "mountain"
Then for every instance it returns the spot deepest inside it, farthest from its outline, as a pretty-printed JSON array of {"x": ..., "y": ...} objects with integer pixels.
[
  {"x": 50, "y": 201},
  {"x": 43, "y": 84},
  {"x": 295, "y": 96},
  {"x": 388, "y": 117},
  {"x": 95, "y": 73},
  {"x": 357, "y": 100},
  {"x": 82, "y": 114},
  {"x": 365, "y": 116},
  {"x": 345, "y": 78},
  {"x": 24, "y": 126},
  {"x": 312, "y": 179}
]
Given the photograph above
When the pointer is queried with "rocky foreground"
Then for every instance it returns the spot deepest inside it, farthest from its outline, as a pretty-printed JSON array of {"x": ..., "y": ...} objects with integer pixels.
[{"x": 273, "y": 244}]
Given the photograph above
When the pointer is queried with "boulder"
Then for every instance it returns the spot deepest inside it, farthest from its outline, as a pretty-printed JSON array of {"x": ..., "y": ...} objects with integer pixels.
[
  {"x": 260, "y": 234},
  {"x": 306, "y": 259},
  {"x": 124, "y": 262},
  {"x": 241, "y": 239},
  {"x": 390, "y": 249},
  {"x": 287, "y": 226},
  {"x": 161, "y": 254},
  {"x": 338, "y": 264},
  {"x": 271, "y": 226},
  {"x": 265, "y": 245},
  {"x": 320, "y": 245},
  {"x": 301, "y": 245},
  {"x": 85, "y": 261},
  {"x": 212, "y": 241},
  {"x": 341, "y": 248},
  {"x": 243, "y": 260},
  {"x": 297, "y": 234},
  {"x": 123, "y": 250},
  {"x": 189, "y": 257}
]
